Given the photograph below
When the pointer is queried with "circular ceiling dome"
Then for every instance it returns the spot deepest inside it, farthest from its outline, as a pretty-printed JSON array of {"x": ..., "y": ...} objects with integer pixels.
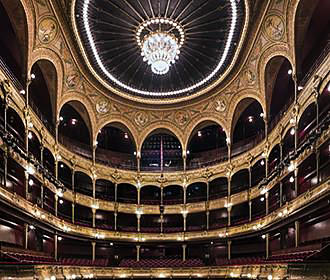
[{"x": 159, "y": 49}]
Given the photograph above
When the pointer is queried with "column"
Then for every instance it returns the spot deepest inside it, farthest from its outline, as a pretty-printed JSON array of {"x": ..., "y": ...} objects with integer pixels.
[
  {"x": 138, "y": 160},
  {"x": 56, "y": 166},
  {"x": 281, "y": 151},
  {"x": 318, "y": 165},
  {"x": 250, "y": 177},
  {"x": 229, "y": 215},
  {"x": 267, "y": 202},
  {"x": 161, "y": 195},
  {"x": 138, "y": 247},
  {"x": 266, "y": 165},
  {"x": 138, "y": 195},
  {"x": 72, "y": 179},
  {"x": 161, "y": 223},
  {"x": 5, "y": 167},
  {"x": 26, "y": 185},
  {"x": 295, "y": 172},
  {"x": 93, "y": 250},
  {"x": 93, "y": 212},
  {"x": 72, "y": 212},
  {"x": 116, "y": 192},
  {"x": 229, "y": 186},
  {"x": 94, "y": 154},
  {"x": 207, "y": 220},
  {"x": 184, "y": 221},
  {"x": 26, "y": 235},
  {"x": 42, "y": 154},
  {"x": 207, "y": 191},
  {"x": 229, "y": 249},
  {"x": 55, "y": 247},
  {"x": 184, "y": 194},
  {"x": 56, "y": 203},
  {"x": 56, "y": 130},
  {"x": 138, "y": 222},
  {"x": 267, "y": 245},
  {"x": 115, "y": 219},
  {"x": 250, "y": 210},
  {"x": 42, "y": 195},
  {"x": 297, "y": 233},
  {"x": 94, "y": 188},
  {"x": 184, "y": 158},
  {"x": 184, "y": 246},
  {"x": 281, "y": 194}
]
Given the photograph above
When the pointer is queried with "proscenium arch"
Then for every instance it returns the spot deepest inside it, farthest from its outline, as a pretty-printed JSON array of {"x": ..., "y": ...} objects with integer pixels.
[
  {"x": 87, "y": 115},
  {"x": 156, "y": 128},
  {"x": 240, "y": 107},
  {"x": 200, "y": 124}
]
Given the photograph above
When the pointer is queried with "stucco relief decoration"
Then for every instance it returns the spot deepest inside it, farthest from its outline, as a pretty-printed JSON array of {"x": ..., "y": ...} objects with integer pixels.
[
  {"x": 141, "y": 118},
  {"x": 274, "y": 27},
  {"x": 220, "y": 105},
  {"x": 181, "y": 118},
  {"x": 47, "y": 30},
  {"x": 249, "y": 76},
  {"x": 72, "y": 80},
  {"x": 103, "y": 106}
]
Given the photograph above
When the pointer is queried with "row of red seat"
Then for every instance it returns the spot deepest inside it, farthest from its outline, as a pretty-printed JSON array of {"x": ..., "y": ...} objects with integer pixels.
[
  {"x": 161, "y": 263},
  {"x": 84, "y": 262},
  {"x": 25, "y": 258}
]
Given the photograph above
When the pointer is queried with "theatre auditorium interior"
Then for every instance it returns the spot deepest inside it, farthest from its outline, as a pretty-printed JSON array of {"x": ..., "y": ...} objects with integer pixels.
[{"x": 173, "y": 139}]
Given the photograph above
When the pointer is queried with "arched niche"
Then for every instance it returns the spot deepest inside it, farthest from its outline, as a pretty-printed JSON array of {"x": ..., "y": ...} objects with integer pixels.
[
  {"x": 207, "y": 145},
  {"x": 116, "y": 146},
  {"x": 16, "y": 126},
  {"x": 239, "y": 181},
  {"x": 274, "y": 158},
  {"x": 14, "y": 37},
  {"x": 34, "y": 145},
  {"x": 48, "y": 160},
  {"x": 307, "y": 122},
  {"x": 196, "y": 192},
  {"x": 75, "y": 130},
  {"x": 105, "y": 189},
  {"x": 279, "y": 86},
  {"x": 43, "y": 91},
  {"x": 150, "y": 223},
  {"x": 150, "y": 195},
  {"x": 65, "y": 174},
  {"x": 311, "y": 33},
  {"x": 173, "y": 195},
  {"x": 126, "y": 193},
  {"x": 218, "y": 188},
  {"x": 161, "y": 151},
  {"x": 83, "y": 183},
  {"x": 248, "y": 127}
]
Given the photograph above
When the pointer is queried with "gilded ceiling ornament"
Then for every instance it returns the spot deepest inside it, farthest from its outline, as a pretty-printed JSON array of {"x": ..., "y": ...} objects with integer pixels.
[
  {"x": 181, "y": 117},
  {"x": 141, "y": 118},
  {"x": 47, "y": 30},
  {"x": 274, "y": 27},
  {"x": 220, "y": 105},
  {"x": 102, "y": 106},
  {"x": 72, "y": 80}
]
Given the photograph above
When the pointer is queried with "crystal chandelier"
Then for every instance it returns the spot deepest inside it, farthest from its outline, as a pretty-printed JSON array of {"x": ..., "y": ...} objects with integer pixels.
[{"x": 160, "y": 48}]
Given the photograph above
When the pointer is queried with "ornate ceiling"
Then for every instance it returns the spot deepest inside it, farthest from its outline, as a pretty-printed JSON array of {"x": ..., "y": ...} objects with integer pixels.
[{"x": 110, "y": 35}]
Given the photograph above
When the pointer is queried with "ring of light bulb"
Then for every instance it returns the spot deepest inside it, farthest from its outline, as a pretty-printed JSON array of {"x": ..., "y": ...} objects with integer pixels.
[{"x": 229, "y": 42}]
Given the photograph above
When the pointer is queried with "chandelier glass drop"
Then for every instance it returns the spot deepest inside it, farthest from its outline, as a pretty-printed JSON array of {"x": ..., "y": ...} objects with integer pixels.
[{"x": 160, "y": 41}]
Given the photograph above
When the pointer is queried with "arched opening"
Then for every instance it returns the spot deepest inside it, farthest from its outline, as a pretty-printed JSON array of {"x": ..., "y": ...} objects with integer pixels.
[
  {"x": 312, "y": 34},
  {"x": 104, "y": 219},
  {"x": 42, "y": 92},
  {"x": 16, "y": 126},
  {"x": 218, "y": 188},
  {"x": 240, "y": 181},
  {"x": 196, "y": 192},
  {"x": 248, "y": 126},
  {"x": 48, "y": 160},
  {"x": 64, "y": 209},
  {"x": 161, "y": 151},
  {"x": 150, "y": 223},
  {"x": 239, "y": 213},
  {"x": 274, "y": 158},
  {"x": 280, "y": 89},
  {"x": 150, "y": 195},
  {"x": 75, "y": 128},
  {"x": 126, "y": 222},
  {"x": 172, "y": 223},
  {"x": 83, "y": 215},
  {"x": 105, "y": 189},
  {"x": 83, "y": 183},
  {"x": 126, "y": 193},
  {"x": 196, "y": 221},
  {"x": 288, "y": 142},
  {"x": 65, "y": 174},
  {"x": 218, "y": 218},
  {"x": 116, "y": 147},
  {"x": 307, "y": 174},
  {"x": 307, "y": 122},
  {"x": 258, "y": 172},
  {"x": 34, "y": 145},
  {"x": 173, "y": 195},
  {"x": 14, "y": 37},
  {"x": 207, "y": 145},
  {"x": 324, "y": 103},
  {"x": 15, "y": 178}
]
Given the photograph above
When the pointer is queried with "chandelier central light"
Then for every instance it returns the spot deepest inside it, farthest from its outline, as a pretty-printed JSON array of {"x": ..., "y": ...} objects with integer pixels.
[{"x": 160, "y": 40}]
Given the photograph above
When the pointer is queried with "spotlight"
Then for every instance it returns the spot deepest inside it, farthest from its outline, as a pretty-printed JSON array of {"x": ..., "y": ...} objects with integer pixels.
[
  {"x": 30, "y": 169},
  {"x": 32, "y": 227},
  {"x": 328, "y": 88},
  {"x": 262, "y": 162},
  {"x": 188, "y": 152},
  {"x": 74, "y": 121},
  {"x": 111, "y": 243},
  {"x": 33, "y": 76},
  {"x": 270, "y": 277},
  {"x": 300, "y": 87},
  {"x": 59, "y": 238},
  {"x": 262, "y": 115},
  {"x": 62, "y": 165}
]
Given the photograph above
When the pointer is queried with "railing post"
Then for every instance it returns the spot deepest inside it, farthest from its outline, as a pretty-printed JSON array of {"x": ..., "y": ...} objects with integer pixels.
[
  {"x": 55, "y": 247},
  {"x": 184, "y": 246},
  {"x": 93, "y": 251},
  {"x": 26, "y": 235},
  {"x": 267, "y": 245},
  {"x": 297, "y": 233},
  {"x": 229, "y": 249},
  {"x": 138, "y": 252},
  {"x": 72, "y": 212},
  {"x": 55, "y": 203}
]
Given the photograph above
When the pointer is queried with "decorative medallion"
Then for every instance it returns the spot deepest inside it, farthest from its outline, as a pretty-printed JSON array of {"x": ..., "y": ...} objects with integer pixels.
[
  {"x": 274, "y": 27},
  {"x": 220, "y": 105},
  {"x": 102, "y": 106},
  {"x": 181, "y": 118},
  {"x": 249, "y": 76},
  {"x": 141, "y": 118},
  {"x": 72, "y": 80},
  {"x": 47, "y": 30}
]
